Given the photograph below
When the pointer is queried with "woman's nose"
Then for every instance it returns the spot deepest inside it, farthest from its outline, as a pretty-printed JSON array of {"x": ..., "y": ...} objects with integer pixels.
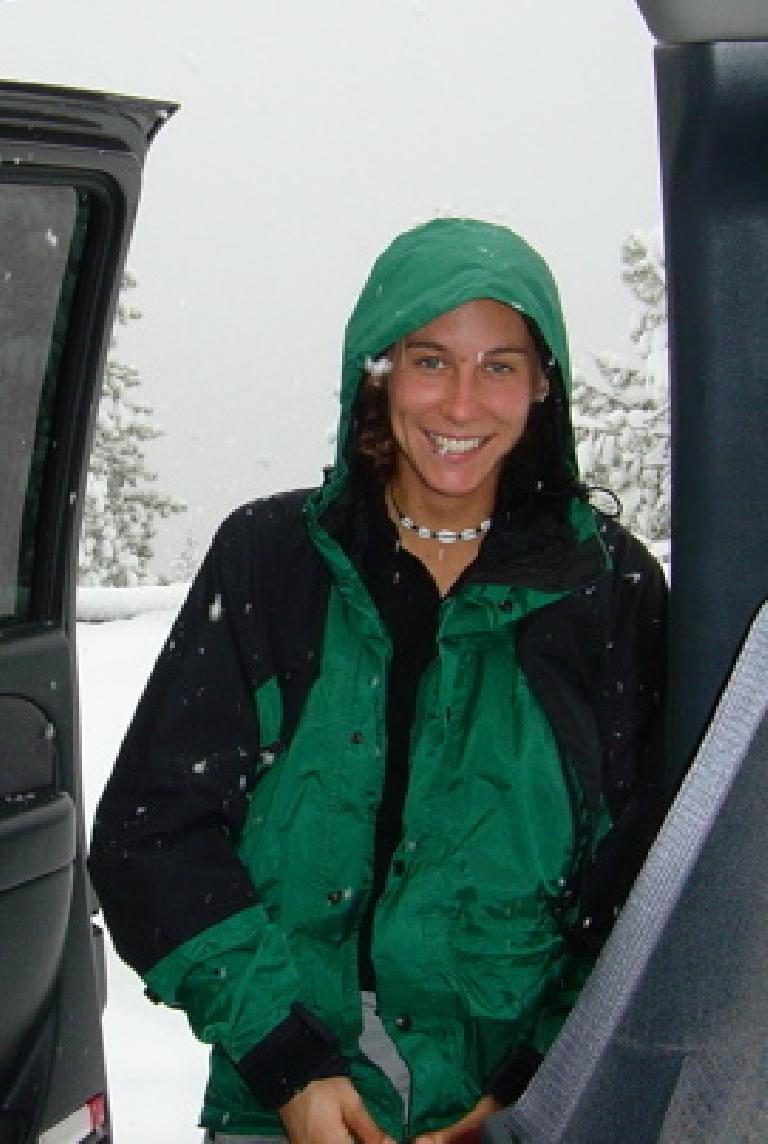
[{"x": 461, "y": 395}]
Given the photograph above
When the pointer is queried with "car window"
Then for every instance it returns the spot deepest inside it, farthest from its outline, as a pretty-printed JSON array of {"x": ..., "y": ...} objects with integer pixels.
[{"x": 41, "y": 238}]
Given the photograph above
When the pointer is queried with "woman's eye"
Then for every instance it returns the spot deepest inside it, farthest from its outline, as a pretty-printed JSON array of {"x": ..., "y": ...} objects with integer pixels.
[
  {"x": 433, "y": 362},
  {"x": 500, "y": 368}
]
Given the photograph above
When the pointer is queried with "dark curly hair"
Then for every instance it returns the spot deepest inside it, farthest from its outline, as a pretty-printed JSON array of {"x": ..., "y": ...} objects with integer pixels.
[{"x": 374, "y": 446}]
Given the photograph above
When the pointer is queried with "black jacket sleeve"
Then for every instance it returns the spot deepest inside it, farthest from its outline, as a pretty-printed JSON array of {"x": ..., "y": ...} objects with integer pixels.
[
  {"x": 597, "y": 662},
  {"x": 631, "y": 709},
  {"x": 162, "y": 859}
]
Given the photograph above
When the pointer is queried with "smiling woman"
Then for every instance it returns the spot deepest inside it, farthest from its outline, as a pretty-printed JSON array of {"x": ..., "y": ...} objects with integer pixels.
[
  {"x": 459, "y": 397},
  {"x": 398, "y": 762}
]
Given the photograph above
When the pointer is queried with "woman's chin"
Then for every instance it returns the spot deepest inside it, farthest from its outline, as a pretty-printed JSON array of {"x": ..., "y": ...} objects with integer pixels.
[{"x": 458, "y": 483}]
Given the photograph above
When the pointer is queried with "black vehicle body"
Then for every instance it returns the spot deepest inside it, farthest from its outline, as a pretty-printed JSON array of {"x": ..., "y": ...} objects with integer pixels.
[{"x": 70, "y": 174}]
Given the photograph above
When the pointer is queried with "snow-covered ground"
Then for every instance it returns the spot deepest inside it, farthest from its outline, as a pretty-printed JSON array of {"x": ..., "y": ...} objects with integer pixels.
[{"x": 156, "y": 1068}]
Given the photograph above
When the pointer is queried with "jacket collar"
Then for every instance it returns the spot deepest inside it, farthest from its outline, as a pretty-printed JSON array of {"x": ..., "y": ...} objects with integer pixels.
[{"x": 532, "y": 543}]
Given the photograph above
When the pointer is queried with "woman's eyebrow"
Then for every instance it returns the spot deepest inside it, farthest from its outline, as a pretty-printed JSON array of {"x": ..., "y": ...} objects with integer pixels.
[
  {"x": 506, "y": 350},
  {"x": 415, "y": 343},
  {"x": 420, "y": 344}
]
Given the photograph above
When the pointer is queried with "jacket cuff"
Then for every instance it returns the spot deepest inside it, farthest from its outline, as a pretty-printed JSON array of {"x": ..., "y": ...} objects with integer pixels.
[
  {"x": 511, "y": 1077},
  {"x": 298, "y": 1050}
]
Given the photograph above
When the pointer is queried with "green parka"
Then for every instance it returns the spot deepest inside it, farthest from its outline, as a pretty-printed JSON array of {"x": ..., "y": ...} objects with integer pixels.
[{"x": 233, "y": 847}]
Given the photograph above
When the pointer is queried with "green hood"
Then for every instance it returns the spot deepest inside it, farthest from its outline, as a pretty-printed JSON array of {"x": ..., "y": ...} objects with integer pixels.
[
  {"x": 428, "y": 271},
  {"x": 435, "y": 268}
]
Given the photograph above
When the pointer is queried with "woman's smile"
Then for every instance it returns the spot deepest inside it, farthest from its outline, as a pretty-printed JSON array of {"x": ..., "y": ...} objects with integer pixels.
[{"x": 455, "y": 447}]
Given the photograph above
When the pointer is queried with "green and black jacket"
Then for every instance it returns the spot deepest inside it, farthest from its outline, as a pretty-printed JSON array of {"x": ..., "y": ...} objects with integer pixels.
[{"x": 233, "y": 847}]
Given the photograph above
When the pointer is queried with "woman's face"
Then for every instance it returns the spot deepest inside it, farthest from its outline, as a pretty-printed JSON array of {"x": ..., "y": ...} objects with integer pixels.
[{"x": 460, "y": 392}]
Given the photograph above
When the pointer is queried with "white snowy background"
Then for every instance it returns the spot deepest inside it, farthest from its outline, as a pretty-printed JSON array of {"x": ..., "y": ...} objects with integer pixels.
[
  {"x": 156, "y": 1069},
  {"x": 312, "y": 131}
]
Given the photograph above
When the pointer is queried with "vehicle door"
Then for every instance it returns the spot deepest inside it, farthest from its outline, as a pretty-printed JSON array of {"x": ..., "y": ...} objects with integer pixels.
[{"x": 70, "y": 170}]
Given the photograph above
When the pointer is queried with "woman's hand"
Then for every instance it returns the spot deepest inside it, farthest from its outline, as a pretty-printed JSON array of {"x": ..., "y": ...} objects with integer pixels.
[
  {"x": 464, "y": 1131},
  {"x": 330, "y": 1112}
]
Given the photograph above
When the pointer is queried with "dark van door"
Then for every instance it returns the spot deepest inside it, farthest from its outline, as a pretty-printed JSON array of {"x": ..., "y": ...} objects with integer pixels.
[{"x": 70, "y": 170}]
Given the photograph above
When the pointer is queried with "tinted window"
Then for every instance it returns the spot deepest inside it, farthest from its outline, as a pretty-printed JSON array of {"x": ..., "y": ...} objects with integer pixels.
[{"x": 41, "y": 236}]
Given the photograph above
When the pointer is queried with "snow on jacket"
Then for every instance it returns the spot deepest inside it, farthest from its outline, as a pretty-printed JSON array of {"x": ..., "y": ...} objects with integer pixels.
[{"x": 233, "y": 846}]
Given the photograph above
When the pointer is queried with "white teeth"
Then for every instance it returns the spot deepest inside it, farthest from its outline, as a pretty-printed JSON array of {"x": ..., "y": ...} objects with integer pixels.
[{"x": 455, "y": 444}]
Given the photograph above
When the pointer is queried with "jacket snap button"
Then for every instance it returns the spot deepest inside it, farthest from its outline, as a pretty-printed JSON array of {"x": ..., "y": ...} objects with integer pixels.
[
  {"x": 398, "y": 867},
  {"x": 335, "y": 897},
  {"x": 357, "y": 736},
  {"x": 403, "y": 1022}
]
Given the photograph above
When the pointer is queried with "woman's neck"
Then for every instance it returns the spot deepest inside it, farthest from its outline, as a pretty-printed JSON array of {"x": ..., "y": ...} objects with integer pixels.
[
  {"x": 437, "y": 511},
  {"x": 444, "y": 560}
]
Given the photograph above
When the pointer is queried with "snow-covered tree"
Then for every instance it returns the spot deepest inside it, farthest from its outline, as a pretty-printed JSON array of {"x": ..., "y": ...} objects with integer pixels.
[
  {"x": 621, "y": 415},
  {"x": 122, "y": 503},
  {"x": 185, "y": 563}
]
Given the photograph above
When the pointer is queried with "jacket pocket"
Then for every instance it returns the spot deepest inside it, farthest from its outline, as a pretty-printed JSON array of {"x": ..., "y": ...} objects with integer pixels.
[{"x": 505, "y": 949}]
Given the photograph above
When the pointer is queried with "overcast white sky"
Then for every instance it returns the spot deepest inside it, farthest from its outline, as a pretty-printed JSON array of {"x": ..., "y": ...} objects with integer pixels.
[{"x": 312, "y": 131}]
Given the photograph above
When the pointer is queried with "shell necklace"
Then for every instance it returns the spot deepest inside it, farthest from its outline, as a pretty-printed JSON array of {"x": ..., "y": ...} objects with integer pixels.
[{"x": 444, "y": 535}]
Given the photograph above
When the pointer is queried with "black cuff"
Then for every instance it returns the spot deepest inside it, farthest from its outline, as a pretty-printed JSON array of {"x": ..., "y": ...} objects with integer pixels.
[
  {"x": 512, "y": 1074},
  {"x": 298, "y": 1050}
]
